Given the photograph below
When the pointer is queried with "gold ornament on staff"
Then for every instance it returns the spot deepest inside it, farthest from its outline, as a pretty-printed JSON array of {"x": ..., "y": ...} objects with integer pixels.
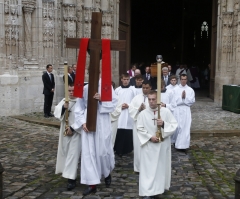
[
  {"x": 66, "y": 95},
  {"x": 159, "y": 78}
]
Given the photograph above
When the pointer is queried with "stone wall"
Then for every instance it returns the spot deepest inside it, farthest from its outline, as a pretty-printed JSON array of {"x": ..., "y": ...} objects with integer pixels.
[
  {"x": 228, "y": 46},
  {"x": 33, "y": 34}
]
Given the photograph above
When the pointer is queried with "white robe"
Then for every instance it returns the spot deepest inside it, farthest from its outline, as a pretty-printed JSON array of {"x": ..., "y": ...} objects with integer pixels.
[
  {"x": 97, "y": 158},
  {"x": 182, "y": 113},
  {"x": 167, "y": 98},
  {"x": 69, "y": 147},
  {"x": 170, "y": 87},
  {"x": 155, "y": 158},
  {"x": 138, "y": 91},
  {"x": 125, "y": 96},
  {"x": 114, "y": 121},
  {"x": 133, "y": 111}
]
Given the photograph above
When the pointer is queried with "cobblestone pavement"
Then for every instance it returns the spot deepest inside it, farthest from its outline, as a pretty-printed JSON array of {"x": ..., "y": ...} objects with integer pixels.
[{"x": 28, "y": 155}]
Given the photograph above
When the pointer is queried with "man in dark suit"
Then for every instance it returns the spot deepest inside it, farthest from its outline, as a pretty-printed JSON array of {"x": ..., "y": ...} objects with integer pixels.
[
  {"x": 70, "y": 76},
  {"x": 170, "y": 73},
  {"x": 48, "y": 90},
  {"x": 165, "y": 76},
  {"x": 73, "y": 74},
  {"x": 147, "y": 76},
  {"x": 133, "y": 80}
]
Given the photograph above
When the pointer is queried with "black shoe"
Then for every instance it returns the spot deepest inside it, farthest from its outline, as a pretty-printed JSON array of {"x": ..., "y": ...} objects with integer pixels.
[
  {"x": 71, "y": 184},
  {"x": 90, "y": 190},
  {"x": 50, "y": 115},
  {"x": 46, "y": 116},
  {"x": 108, "y": 180},
  {"x": 148, "y": 197}
]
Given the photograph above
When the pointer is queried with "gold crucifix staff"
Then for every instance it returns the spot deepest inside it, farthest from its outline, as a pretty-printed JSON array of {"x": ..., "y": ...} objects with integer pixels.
[
  {"x": 66, "y": 95},
  {"x": 159, "y": 79}
]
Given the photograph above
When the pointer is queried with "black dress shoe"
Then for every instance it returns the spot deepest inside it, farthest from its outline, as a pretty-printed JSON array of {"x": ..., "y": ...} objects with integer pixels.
[
  {"x": 46, "y": 116},
  {"x": 71, "y": 184},
  {"x": 90, "y": 190},
  {"x": 50, "y": 115},
  {"x": 108, "y": 180},
  {"x": 148, "y": 197}
]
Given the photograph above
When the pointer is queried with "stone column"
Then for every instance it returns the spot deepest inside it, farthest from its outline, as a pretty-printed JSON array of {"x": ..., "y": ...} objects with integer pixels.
[{"x": 28, "y": 8}]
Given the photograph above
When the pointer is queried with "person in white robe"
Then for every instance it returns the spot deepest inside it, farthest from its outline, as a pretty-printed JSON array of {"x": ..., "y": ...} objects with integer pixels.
[
  {"x": 155, "y": 156},
  {"x": 184, "y": 98},
  {"x": 173, "y": 83},
  {"x": 97, "y": 159},
  {"x": 166, "y": 97},
  {"x": 183, "y": 70},
  {"x": 124, "y": 138},
  {"x": 69, "y": 146},
  {"x": 114, "y": 121},
  {"x": 138, "y": 84},
  {"x": 138, "y": 104}
]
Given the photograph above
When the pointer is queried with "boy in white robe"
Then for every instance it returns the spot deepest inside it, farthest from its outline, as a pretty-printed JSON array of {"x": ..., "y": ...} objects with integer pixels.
[
  {"x": 138, "y": 104},
  {"x": 173, "y": 83},
  {"x": 184, "y": 97},
  {"x": 69, "y": 146},
  {"x": 124, "y": 137},
  {"x": 138, "y": 84},
  {"x": 97, "y": 157},
  {"x": 155, "y": 156}
]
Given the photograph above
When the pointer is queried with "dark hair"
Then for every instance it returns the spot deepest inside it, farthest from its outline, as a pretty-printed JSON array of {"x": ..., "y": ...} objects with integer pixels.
[
  {"x": 125, "y": 75},
  {"x": 173, "y": 77},
  {"x": 147, "y": 82},
  {"x": 71, "y": 85},
  {"x": 152, "y": 92},
  {"x": 182, "y": 75},
  {"x": 74, "y": 64},
  {"x": 138, "y": 77},
  {"x": 48, "y": 66}
]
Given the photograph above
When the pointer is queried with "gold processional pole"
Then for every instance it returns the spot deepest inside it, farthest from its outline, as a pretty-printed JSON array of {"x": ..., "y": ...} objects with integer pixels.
[
  {"x": 66, "y": 95},
  {"x": 159, "y": 79}
]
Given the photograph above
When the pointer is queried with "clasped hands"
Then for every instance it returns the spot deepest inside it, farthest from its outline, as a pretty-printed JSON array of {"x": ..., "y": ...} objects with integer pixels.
[{"x": 184, "y": 94}]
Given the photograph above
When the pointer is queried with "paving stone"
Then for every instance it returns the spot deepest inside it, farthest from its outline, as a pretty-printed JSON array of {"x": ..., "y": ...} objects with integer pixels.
[{"x": 28, "y": 154}]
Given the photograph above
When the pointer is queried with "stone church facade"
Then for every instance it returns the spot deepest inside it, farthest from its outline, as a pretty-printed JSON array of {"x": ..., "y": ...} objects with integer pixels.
[{"x": 33, "y": 34}]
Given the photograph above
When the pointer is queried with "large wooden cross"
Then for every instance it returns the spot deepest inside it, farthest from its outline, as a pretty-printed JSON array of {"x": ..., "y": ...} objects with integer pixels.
[{"x": 95, "y": 46}]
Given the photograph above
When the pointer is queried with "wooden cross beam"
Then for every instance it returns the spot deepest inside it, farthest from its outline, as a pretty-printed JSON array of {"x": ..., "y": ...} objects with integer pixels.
[{"x": 95, "y": 46}]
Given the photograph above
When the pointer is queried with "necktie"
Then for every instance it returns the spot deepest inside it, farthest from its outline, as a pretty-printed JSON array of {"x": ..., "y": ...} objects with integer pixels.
[
  {"x": 50, "y": 77},
  {"x": 70, "y": 77},
  {"x": 165, "y": 80}
]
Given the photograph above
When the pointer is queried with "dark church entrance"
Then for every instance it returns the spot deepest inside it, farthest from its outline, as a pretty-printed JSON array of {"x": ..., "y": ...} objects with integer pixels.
[{"x": 179, "y": 30}]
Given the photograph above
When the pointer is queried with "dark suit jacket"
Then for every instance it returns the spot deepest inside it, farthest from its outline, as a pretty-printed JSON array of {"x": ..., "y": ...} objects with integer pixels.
[
  {"x": 70, "y": 81},
  {"x": 132, "y": 81},
  {"x": 153, "y": 81},
  {"x": 168, "y": 82},
  {"x": 48, "y": 85}
]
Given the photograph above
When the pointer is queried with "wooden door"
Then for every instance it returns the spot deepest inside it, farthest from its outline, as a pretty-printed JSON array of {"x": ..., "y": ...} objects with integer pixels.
[
  {"x": 124, "y": 34},
  {"x": 213, "y": 47}
]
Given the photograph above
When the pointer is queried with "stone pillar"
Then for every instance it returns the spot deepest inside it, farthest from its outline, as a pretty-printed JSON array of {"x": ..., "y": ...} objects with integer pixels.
[{"x": 28, "y": 8}]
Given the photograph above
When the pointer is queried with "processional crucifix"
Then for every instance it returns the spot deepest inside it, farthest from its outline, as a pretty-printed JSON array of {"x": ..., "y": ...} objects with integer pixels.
[{"x": 95, "y": 46}]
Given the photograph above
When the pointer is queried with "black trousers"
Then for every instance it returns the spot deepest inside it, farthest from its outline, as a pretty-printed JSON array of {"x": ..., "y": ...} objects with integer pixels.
[
  {"x": 124, "y": 141},
  {"x": 48, "y": 99}
]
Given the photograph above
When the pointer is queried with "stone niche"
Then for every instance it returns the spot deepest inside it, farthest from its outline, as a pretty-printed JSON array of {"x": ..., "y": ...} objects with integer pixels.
[{"x": 33, "y": 34}]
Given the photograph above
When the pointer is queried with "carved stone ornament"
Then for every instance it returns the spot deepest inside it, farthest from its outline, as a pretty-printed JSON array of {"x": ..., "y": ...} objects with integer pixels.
[{"x": 29, "y": 5}]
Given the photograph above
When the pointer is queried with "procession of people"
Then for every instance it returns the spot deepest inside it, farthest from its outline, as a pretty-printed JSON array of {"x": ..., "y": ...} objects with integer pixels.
[{"x": 132, "y": 122}]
